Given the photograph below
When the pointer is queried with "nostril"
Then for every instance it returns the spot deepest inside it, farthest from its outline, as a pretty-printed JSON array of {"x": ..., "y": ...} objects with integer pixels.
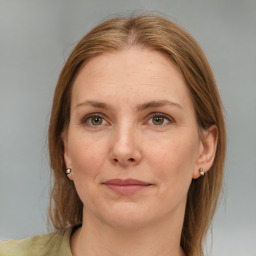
[{"x": 130, "y": 160}]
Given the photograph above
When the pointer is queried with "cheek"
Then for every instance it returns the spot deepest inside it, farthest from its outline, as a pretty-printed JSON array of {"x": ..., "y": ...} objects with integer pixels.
[
  {"x": 86, "y": 155},
  {"x": 174, "y": 157}
]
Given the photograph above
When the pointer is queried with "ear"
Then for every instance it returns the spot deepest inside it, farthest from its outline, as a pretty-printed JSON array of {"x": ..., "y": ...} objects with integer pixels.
[
  {"x": 66, "y": 156},
  {"x": 207, "y": 150}
]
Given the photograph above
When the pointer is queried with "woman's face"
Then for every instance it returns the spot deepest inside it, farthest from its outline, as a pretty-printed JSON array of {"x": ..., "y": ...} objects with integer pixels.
[{"x": 132, "y": 143}]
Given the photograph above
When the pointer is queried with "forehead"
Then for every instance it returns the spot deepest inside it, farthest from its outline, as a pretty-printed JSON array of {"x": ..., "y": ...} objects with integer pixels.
[{"x": 133, "y": 74}]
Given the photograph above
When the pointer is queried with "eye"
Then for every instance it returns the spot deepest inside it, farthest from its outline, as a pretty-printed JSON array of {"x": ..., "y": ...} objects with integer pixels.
[
  {"x": 160, "y": 119},
  {"x": 94, "y": 120}
]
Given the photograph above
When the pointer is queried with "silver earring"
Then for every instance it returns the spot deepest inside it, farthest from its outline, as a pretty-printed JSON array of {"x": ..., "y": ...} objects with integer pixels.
[
  {"x": 201, "y": 171},
  {"x": 68, "y": 171}
]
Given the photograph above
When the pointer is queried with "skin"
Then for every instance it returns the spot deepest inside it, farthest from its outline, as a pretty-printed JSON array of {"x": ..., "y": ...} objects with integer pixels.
[{"x": 126, "y": 141}]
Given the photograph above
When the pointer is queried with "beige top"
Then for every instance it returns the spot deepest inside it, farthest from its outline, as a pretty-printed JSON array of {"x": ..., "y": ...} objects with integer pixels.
[{"x": 52, "y": 244}]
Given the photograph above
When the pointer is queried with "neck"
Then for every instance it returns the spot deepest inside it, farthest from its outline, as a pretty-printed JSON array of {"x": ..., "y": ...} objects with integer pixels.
[{"x": 98, "y": 239}]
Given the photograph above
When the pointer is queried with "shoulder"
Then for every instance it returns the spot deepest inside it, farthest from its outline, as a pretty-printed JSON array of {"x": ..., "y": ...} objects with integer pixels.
[{"x": 52, "y": 244}]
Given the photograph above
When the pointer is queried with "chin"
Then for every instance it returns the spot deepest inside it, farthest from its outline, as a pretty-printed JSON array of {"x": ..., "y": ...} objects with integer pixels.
[{"x": 127, "y": 217}]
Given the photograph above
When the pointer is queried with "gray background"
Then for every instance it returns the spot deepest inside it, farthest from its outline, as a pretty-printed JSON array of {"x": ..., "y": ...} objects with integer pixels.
[{"x": 36, "y": 38}]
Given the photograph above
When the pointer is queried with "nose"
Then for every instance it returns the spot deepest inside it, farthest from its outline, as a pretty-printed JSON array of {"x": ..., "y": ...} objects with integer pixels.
[{"x": 125, "y": 149}]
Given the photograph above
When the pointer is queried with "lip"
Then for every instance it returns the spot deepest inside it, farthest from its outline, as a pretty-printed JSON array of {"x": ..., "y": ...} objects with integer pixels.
[{"x": 126, "y": 186}]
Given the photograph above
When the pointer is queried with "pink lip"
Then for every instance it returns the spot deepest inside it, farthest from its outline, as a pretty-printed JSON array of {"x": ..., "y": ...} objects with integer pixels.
[{"x": 125, "y": 187}]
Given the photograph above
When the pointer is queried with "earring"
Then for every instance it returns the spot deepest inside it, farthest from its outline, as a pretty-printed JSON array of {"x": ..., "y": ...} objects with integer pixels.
[
  {"x": 68, "y": 171},
  {"x": 201, "y": 171}
]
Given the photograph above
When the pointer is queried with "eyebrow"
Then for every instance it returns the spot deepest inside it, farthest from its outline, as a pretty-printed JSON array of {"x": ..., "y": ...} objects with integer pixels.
[
  {"x": 93, "y": 103},
  {"x": 155, "y": 104},
  {"x": 141, "y": 107}
]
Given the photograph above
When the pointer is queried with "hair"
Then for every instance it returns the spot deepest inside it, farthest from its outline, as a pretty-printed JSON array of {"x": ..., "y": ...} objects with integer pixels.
[{"x": 156, "y": 33}]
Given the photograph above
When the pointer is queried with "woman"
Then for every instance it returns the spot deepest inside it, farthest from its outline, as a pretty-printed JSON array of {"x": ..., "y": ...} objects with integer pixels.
[{"x": 137, "y": 145}]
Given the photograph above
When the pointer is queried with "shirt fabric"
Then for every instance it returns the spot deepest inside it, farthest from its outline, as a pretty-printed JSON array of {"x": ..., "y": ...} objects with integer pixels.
[{"x": 52, "y": 244}]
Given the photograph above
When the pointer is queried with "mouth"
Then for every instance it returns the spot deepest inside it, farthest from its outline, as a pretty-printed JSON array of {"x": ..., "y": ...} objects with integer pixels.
[{"x": 126, "y": 187}]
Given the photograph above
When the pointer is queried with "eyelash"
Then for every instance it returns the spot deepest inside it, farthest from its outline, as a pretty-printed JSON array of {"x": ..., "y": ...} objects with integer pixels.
[
  {"x": 86, "y": 119},
  {"x": 161, "y": 115}
]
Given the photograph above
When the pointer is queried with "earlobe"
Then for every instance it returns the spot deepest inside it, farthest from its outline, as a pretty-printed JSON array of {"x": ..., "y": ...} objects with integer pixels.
[
  {"x": 69, "y": 174},
  {"x": 66, "y": 156},
  {"x": 208, "y": 146}
]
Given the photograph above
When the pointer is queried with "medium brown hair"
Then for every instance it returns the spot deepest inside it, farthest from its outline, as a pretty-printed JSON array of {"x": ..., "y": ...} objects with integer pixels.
[{"x": 162, "y": 35}]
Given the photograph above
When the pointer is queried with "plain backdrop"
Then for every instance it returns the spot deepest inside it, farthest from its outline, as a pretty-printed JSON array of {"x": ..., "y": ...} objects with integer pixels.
[{"x": 36, "y": 37}]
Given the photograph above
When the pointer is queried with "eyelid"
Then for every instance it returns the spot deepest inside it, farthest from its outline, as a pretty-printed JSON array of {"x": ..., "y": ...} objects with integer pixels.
[
  {"x": 160, "y": 114},
  {"x": 85, "y": 119},
  {"x": 170, "y": 119}
]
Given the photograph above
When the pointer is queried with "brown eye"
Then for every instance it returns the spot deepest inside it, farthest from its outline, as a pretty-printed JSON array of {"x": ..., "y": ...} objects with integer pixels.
[
  {"x": 96, "y": 120},
  {"x": 158, "y": 120}
]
